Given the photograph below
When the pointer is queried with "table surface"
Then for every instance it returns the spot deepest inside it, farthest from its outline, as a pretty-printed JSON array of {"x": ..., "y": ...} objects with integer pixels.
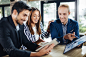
[{"x": 57, "y": 51}]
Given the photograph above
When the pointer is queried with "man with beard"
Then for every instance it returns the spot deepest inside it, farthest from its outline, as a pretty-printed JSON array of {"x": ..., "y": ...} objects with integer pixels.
[{"x": 12, "y": 34}]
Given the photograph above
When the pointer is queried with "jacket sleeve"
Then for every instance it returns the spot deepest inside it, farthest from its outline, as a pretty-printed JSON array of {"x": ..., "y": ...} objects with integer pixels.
[
  {"x": 7, "y": 44},
  {"x": 44, "y": 34},
  {"x": 76, "y": 30},
  {"x": 55, "y": 33},
  {"x": 29, "y": 44}
]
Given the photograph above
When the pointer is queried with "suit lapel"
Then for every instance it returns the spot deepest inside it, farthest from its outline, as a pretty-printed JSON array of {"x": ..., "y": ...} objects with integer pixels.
[
  {"x": 17, "y": 34},
  {"x": 59, "y": 27},
  {"x": 68, "y": 26},
  {"x": 20, "y": 33},
  {"x": 11, "y": 21}
]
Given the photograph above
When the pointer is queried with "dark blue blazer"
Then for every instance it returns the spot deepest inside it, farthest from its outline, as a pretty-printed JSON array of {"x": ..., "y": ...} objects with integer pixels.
[
  {"x": 11, "y": 39},
  {"x": 57, "y": 31}
]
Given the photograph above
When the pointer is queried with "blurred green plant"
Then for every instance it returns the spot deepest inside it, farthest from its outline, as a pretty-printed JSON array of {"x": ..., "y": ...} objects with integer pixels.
[
  {"x": 4, "y": 1},
  {"x": 82, "y": 28}
]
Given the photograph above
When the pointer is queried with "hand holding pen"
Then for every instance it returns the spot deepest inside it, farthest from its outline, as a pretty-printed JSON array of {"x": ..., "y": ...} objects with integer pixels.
[{"x": 70, "y": 36}]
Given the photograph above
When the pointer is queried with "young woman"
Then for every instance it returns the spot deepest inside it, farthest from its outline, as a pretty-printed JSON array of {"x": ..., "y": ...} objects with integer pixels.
[{"x": 34, "y": 29}]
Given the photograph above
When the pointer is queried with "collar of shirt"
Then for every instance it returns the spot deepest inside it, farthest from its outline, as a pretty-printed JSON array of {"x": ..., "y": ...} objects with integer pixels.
[
  {"x": 17, "y": 27},
  {"x": 64, "y": 27},
  {"x": 65, "y": 24},
  {"x": 11, "y": 21}
]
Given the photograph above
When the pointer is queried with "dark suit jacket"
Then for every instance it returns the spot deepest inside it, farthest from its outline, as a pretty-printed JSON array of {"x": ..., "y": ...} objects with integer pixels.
[
  {"x": 57, "y": 30},
  {"x": 11, "y": 39}
]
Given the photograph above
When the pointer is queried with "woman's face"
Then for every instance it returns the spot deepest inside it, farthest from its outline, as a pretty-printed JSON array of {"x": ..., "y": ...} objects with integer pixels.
[{"x": 35, "y": 17}]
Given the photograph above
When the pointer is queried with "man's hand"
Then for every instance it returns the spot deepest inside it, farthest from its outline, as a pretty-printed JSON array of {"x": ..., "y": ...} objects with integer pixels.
[
  {"x": 48, "y": 29},
  {"x": 43, "y": 51},
  {"x": 46, "y": 49},
  {"x": 70, "y": 36}
]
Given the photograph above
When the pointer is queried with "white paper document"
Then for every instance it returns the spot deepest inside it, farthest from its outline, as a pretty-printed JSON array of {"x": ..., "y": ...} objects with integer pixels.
[{"x": 53, "y": 41}]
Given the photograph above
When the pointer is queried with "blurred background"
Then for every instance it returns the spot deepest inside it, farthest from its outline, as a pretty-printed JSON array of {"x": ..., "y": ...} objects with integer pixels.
[{"x": 48, "y": 9}]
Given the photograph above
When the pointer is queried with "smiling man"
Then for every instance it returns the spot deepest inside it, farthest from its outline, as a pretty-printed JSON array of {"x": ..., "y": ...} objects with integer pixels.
[
  {"x": 64, "y": 28},
  {"x": 12, "y": 34}
]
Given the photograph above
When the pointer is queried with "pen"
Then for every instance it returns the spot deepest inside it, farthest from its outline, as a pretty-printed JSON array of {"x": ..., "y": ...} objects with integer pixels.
[
  {"x": 71, "y": 30},
  {"x": 76, "y": 36}
]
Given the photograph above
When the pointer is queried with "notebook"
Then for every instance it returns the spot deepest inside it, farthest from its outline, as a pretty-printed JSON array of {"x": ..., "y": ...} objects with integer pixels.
[
  {"x": 74, "y": 44},
  {"x": 53, "y": 41}
]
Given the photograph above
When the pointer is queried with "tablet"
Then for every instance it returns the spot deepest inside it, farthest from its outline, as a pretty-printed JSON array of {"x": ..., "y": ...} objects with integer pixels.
[
  {"x": 74, "y": 44},
  {"x": 53, "y": 41}
]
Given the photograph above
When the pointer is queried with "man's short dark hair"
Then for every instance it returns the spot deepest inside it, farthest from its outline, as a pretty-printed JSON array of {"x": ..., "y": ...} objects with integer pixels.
[{"x": 20, "y": 6}]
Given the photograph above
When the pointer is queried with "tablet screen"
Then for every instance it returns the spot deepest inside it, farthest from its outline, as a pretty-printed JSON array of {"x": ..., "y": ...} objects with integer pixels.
[{"x": 74, "y": 44}]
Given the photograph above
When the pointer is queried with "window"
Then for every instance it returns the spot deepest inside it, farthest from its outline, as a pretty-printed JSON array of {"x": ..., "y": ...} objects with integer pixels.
[
  {"x": 4, "y": 8},
  {"x": 7, "y": 11},
  {"x": 49, "y": 11},
  {"x": 82, "y": 16},
  {"x": 4, "y": 1},
  {"x": 35, "y": 4},
  {"x": 1, "y": 13}
]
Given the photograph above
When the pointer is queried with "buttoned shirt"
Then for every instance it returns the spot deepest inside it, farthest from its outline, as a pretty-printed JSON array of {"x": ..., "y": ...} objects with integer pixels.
[{"x": 64, "y": 30}]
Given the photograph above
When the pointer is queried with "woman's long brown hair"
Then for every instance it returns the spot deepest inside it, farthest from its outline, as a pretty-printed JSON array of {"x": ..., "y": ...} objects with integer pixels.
[{"x": 37, "y": 24}]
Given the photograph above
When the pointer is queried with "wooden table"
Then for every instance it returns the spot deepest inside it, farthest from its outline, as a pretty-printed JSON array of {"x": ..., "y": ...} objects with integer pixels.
[{"x": 57, "y": 51}]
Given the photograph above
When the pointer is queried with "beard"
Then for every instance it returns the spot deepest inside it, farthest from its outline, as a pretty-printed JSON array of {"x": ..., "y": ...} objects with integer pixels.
[{"x": 17, "y": 20}]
